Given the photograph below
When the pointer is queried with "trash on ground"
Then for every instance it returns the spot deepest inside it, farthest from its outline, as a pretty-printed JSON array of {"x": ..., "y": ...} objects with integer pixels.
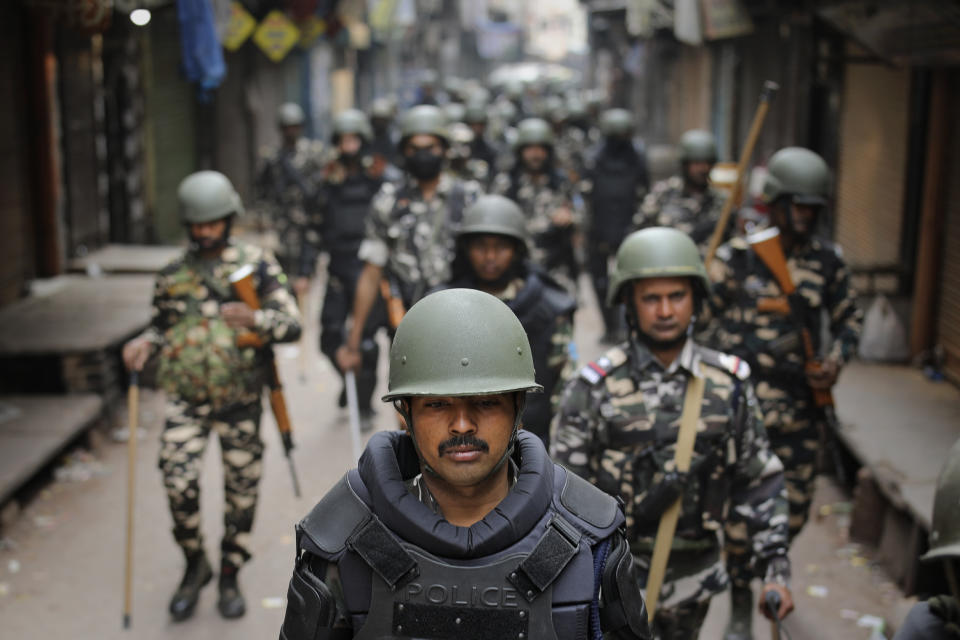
[
  {"x": 80, "y": 466},
  {"x": 44, "y": 522},
  {"x": 272, "y": 603},
  {"x": 4, "y": 589},
  {"x": 849, "y": 614},
  {"x": 817, "y": 591},
  {"x": 13, "y": 566},
  {"x": 868, "y": 621}
]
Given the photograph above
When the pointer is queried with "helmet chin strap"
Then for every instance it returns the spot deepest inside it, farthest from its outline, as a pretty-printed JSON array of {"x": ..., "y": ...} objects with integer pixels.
[{"x": 520, "y": 401}]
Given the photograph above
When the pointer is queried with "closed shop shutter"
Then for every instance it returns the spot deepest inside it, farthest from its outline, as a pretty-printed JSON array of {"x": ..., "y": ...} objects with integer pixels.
[
  {"x": 871, "y": 172},
  {"x": 949, "y": 311},
  {"x": 16, "y": 239},
  {"x": 171, "y": 111}
]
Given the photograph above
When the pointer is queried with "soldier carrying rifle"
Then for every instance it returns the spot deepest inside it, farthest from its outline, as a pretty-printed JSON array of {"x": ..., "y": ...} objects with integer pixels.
[
  {"x": 213, "y": 372},
  {"x": 770, "y": 293}
]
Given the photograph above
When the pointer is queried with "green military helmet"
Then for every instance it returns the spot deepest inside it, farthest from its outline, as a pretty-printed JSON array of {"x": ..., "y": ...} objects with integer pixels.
[
  {"x": 382, "y": 108},
  {"x": 656, "y": 252},
  {"x": 945, "y": 526},
  {"x": 514, "y": 89},
  {"x": 290, "y": 115},
  {"x": 206, "y": 196},
  {"x": 428, "y": 78},
  {"x": 616, "y": 122},
  {"x": 698, "y": 145},
  {"x": 459, "y": 342},
  {"x": 797, "y": 172},
  {"x": 352, "y": 121},
  {"x": 424, "y": 119},
  {"x": 576, "y": 108},
  {"x": 554, "y": 108},
  {"x": 454, "y": 112},
  {"x": 507, "y": 111},
  {"x": 476, "y": 112},
  {"x": 534, "y": 131},
  {"x": 453, "y": 86},
  {"x": 494, "y": 214}
]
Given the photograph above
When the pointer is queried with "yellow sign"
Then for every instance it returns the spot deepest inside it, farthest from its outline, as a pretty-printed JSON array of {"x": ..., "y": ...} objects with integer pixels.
[
  {"x": 311, "y": 29},
  {"x": 239, "y": 28},
  {"x": 276, "y": 35}
]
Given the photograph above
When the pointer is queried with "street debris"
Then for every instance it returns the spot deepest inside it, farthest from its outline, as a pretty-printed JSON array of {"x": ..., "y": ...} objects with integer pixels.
[
  {"x": 272, "y": 603},
  {"x": 80, "y": 466},
  {"x": 817, "y": 591},
  {"x": 13, "y": 566}
]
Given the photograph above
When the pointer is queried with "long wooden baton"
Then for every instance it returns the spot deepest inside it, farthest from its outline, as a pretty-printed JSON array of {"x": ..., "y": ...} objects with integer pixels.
[
  {"x": 770, "y": 89},
  {"x": 133, "y": 408},
  {"x": 353, "y": 407},
  {"x": 692, "y": 402}
]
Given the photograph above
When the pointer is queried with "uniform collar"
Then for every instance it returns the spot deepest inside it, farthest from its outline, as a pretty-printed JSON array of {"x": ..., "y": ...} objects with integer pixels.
[{"x": 688, "y": 360}]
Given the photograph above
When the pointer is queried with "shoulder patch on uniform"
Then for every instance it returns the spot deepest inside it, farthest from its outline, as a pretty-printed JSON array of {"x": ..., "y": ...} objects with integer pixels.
[
  {"x": 600, "y": 368},
  {"x": 733, "y": 365}
]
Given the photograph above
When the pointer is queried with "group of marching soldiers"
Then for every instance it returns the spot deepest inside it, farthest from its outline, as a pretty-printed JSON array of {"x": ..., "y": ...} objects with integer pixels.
[{"x": 706, "y": 406}]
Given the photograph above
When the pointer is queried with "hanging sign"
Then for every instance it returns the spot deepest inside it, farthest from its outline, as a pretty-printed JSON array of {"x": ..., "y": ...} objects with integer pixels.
[
  {"x": 239, "y": 28},
  {"x": 276, "y": 35}
]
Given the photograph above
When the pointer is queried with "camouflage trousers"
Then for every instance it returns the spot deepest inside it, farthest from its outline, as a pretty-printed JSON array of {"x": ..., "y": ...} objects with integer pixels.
[
  {"x": 792, "y": 429},
  {"x": 691, "y": 580},
  {"x": 182, "y": 444}
]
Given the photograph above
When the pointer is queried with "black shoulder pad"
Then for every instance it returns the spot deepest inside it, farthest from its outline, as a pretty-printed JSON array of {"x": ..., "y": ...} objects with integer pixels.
[
  {"x": 331, "y": 522},
  {"x": 733, "y": 365},
  {"x": 585, "y": 501},
  {"x": 310, "y": 605},
  {"x": 623, "y": 614}
]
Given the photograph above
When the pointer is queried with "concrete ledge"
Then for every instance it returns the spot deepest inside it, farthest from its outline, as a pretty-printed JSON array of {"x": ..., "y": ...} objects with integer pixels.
[
  {"x": 901, "y": 426},
  {"x": 126, "y": 258},
  {"x": 35, "y": 429},
  {"x": 76, "y": 314}
]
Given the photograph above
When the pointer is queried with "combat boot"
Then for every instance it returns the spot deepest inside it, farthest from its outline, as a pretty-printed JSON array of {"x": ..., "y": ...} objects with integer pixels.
[
  {"x": 231, "y": 603},
  {"x": 196, "y": 576},
  {"x": 740, "y": 626}
]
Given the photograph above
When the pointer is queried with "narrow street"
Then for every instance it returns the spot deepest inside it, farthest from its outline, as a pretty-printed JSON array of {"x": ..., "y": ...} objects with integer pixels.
[{"x": 61, "y": 563}]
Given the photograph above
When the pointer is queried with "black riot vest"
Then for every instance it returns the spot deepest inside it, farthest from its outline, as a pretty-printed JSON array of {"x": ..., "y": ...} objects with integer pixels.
[
  {"x": 616, "y": 178},
  {"x": 525, "y": 571},
  {"x": 348, "y": 204}
]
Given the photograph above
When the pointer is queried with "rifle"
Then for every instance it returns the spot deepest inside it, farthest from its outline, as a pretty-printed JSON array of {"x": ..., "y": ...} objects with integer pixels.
[
  {"x": 133, "y": 409},
  {"x": 394, "y": 301},
  {"x": 242, "y": 281},
  {"x": 766, "y": 244},
  {"x": 770, "y": 89}
]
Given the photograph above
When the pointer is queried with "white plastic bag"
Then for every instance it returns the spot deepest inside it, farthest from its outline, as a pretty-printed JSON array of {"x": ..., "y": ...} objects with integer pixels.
[{"x": 884, "y": 338}]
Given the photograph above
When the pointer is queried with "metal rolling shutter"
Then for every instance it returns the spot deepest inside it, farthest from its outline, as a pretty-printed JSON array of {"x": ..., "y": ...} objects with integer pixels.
[
  {"x": 949, "y": 310},
  {"x": 872, "y": 164}
]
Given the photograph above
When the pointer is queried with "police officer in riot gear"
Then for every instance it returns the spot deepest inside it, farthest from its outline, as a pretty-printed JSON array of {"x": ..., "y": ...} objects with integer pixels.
[
  {"x": 343, "y": 202},
  {"x": 492, "y": 256},
  {"x": 614, "y": 186},
  {"x": 461, "y": 526},
  {"x": 938, "y": 618}
]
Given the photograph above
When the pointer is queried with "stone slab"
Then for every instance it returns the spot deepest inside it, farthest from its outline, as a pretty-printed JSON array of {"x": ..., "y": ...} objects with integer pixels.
[
  {"x": 34, "y": 429},
  {"x": 78, "y": 314},
  {"x": 126, "y": 258},
  {"x": 901, "y": 425}
]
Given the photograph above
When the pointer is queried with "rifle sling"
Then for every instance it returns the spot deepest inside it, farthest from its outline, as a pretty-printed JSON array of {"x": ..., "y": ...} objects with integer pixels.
[{"x": 687, "y": 436}]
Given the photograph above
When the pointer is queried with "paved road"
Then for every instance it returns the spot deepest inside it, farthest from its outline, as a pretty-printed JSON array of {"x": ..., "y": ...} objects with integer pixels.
[{"x": 64, "y": 576}]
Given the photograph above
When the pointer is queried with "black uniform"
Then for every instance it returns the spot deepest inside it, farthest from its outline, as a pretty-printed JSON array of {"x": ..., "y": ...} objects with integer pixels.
[
  {"x": 615, "y": 185},
  {"x": 344, "y": 202},
  {"x": 374, "y": 561}
]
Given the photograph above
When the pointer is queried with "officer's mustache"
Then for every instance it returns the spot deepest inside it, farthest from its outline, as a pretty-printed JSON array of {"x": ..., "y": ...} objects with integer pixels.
[{"x": 463, "y": 441}]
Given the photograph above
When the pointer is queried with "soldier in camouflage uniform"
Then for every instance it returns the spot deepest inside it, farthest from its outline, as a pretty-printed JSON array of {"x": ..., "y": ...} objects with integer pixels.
[
  {"x": 796, "y": 189},
  {"x": 548, "y": 200},
  {"x": 213, "y": 383},
  {"x": 618, "y": 424},
  {"x": 411, "y": 228},
  {"x": 492, "y": 251},
  {"x": 286, "y": 185},
  {"x": 688, "y": 202}
]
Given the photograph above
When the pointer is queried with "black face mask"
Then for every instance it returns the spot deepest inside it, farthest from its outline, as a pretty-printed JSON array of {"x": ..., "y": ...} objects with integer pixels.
[
  {"x": 424, "y": 164},
  {"x": 350, "y": 159}
]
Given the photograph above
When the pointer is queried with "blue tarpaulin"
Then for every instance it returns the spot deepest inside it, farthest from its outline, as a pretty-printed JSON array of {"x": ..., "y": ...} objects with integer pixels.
[{"x": 202, "y": 54}]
